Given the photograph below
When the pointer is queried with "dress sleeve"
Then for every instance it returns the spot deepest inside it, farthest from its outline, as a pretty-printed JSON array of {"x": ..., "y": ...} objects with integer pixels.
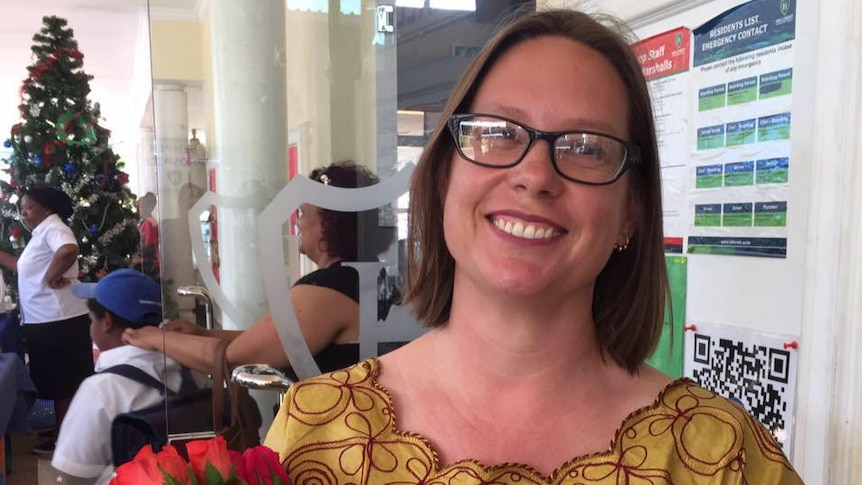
[
  {"x": 276, "y": 437},
  {"x": 764, "y": 460}
]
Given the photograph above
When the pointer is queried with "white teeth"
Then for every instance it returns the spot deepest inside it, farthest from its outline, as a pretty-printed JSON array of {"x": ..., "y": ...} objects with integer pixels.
[
  {"x": 528, "y": 231},
  {"x": 518, "y": 229}
]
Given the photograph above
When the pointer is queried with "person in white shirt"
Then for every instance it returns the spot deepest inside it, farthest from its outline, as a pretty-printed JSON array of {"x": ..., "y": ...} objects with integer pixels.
[
  {"x": 55, "y": 328},
  {"x": 123, "y": 299}
]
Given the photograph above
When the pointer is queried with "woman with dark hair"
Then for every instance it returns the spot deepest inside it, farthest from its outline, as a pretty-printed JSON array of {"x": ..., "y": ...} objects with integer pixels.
[
  {"x": 536, "y": 257},
  {"x": 56, "y": 326},
  {"x": 326, "y": 301}
]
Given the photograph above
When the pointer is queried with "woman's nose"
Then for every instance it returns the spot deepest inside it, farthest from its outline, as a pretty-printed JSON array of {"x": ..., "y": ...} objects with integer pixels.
[{"x": 535, "y": 173}]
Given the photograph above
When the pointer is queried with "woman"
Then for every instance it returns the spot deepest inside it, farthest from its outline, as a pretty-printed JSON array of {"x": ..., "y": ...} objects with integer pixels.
[
  {"x": 326, "y": 301},
  {"x": 56, "y": 327},
  {"x": 537, "y": 259}
]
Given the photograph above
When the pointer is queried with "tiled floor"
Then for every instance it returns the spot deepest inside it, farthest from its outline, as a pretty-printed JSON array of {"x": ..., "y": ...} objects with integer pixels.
[{"x": 24, "y": 464}]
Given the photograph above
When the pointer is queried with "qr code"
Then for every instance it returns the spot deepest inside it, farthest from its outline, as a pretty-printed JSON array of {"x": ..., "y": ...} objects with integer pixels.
[{"x": 759, "y": 377}]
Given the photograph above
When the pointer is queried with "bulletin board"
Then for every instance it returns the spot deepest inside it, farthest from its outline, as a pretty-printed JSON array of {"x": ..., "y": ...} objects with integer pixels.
[{"x": 730, "y": 102}]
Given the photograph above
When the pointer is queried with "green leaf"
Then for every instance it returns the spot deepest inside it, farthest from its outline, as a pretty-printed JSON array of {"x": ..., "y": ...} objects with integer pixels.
[
  {"x": 212, "y": 475},
  {"x": 169, "y": 480}
]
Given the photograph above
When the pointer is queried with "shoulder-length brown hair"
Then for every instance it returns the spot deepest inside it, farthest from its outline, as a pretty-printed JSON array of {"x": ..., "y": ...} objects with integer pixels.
[{"x": 630, "y": 292}]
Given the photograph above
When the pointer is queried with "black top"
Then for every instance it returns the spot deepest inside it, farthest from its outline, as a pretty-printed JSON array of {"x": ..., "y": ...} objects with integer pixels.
[{"x": 345, "y": 280}]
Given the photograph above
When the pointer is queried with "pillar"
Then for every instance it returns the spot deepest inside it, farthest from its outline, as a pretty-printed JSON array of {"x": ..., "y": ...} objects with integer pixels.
[
  {"x": 249, "y": 87},
  {"x": 176, "y": 194}
]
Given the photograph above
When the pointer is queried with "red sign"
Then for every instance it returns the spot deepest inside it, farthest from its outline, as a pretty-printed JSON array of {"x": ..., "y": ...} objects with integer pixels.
[{"x": 664, "y": 54}]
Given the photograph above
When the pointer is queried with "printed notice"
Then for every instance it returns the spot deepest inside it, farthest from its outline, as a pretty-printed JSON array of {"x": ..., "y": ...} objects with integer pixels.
[
  {"x": 739, "y": 140},
  {"x": 665, "y": 60}
]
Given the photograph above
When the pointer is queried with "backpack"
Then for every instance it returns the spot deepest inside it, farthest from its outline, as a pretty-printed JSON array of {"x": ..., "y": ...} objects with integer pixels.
[{"x": 225, "y": 409}]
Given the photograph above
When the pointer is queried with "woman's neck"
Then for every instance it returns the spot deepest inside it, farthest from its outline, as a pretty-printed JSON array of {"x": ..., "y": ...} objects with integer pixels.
[
  {"x": 523, "y": 335},
  {"x": 326, "y": 260}
]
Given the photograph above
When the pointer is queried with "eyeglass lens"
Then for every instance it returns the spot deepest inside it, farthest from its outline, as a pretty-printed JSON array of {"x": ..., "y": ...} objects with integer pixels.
[{"x": 581, "y": 156}]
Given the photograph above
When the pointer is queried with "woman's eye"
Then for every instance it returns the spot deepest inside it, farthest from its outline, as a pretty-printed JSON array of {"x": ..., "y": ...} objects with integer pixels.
[{"x": 588, "y": 149}]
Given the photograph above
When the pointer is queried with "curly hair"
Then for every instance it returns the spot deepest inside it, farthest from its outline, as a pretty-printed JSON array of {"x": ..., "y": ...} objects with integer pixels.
[
  {"x": 52, "y": 198},
  {"x": 351, "y": 236}
]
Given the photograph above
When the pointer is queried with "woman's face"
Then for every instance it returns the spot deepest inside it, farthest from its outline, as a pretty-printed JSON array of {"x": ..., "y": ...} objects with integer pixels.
[
  {"x": 310, "y": 232},
  {"x": 551, "y": 84},
  {"x": 32, "y": 213}
]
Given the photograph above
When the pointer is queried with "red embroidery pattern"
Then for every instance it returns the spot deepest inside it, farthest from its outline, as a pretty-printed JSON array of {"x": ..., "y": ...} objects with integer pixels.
[{"x": 340, "y": 429}]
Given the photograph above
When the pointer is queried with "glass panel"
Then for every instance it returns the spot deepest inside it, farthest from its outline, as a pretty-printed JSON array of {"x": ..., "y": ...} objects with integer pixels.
[
  {"x": 221, "y": 135},
  {"x": 285, "y": 100}
]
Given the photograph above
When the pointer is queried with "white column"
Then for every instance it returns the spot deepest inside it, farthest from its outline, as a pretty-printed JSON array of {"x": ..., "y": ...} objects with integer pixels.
[
  {"x": 829, "y": 425},
  {"x": 147, "y": 174},
  {"x": 249, "y": 87},
  {"x": 176, "y": 194}
]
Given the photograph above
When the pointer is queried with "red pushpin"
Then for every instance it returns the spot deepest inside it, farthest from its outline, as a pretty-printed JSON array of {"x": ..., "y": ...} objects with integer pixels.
[
  {"x": 691, "y": 327},
  {"x": 791, "y": 345}
]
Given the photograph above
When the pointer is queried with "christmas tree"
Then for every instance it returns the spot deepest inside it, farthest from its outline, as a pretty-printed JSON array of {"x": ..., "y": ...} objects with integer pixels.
[{"x": 58, "y": 141}]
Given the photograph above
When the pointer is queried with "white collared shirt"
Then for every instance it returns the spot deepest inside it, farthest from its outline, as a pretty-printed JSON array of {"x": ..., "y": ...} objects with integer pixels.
[
  {"x": 39, "y": 302},
  {"x": 84, "y": 443}
]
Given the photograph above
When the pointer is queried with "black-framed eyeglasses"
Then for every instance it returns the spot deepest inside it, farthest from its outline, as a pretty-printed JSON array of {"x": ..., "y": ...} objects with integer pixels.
[{"x": 581, "y": 156}]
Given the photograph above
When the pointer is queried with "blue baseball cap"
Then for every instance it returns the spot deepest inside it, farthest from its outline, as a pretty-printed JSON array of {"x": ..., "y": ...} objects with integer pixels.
[{"x": 129, "y": 294}]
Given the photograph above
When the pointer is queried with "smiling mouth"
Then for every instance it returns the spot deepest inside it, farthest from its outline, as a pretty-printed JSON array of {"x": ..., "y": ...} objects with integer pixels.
[{"x": 525, "y": 230}]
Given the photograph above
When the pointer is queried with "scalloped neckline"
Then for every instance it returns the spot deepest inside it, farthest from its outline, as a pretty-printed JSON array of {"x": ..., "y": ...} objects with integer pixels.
[{"x": 375, "y": 371}]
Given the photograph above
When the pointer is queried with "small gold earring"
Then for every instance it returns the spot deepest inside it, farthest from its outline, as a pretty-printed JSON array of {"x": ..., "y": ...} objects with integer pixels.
[{"x": 622, "y": 247}]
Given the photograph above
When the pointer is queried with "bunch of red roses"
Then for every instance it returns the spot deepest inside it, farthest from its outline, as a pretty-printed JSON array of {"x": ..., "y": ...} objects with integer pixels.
[{"x": 210, "y": 463}]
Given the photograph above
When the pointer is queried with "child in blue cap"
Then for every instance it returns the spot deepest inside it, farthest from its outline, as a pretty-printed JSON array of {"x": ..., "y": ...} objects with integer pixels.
[{"x": 122, "y": 299}]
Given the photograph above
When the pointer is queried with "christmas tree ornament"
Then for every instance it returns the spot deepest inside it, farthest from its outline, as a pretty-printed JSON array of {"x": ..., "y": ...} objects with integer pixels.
[
  {"x": 35, "y": 110},
  {"x": 28, "y": 139},
  {"x": 69, "y": 167},
  {"x": 94, "y": 229},
  {"x": 7, "y": 143},
  {"x": 37, "y": 160}
]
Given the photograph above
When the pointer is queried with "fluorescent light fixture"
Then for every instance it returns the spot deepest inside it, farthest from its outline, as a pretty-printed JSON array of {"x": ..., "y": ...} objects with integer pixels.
[{"x": 469, "y": 5}]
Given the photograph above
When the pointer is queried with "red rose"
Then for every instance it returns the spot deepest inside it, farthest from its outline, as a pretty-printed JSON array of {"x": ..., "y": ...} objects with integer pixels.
[
  {"x": 148, "y": 467},
  {"x": 261, "y": 465},
  {"x": 209, "y": 452}
]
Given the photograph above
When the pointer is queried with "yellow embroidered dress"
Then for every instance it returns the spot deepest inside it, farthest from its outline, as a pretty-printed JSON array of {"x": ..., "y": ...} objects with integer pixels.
[{"x": 339, "y": 428}]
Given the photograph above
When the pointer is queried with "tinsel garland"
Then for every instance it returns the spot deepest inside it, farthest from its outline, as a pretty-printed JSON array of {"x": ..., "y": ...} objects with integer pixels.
[
  {"x": 40, "y": 69},
  {"x": 87, "y": 263},
  {"x": 75, "y": 192},
  {"x": 105, "y": 238}
]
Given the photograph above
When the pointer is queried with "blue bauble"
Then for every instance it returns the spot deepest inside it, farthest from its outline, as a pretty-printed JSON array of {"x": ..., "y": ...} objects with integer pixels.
[
  {"x": 94, "y": 229},
  {"x": 69, "y": 168},
  {"x": 37, "y": 160},
  {"x": 7, "y": 143}
]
